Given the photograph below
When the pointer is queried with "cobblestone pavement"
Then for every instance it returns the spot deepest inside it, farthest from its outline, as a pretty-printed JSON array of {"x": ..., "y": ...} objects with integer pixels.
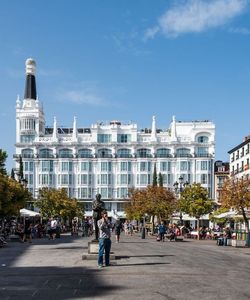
[{"x": 145, "y": 269}]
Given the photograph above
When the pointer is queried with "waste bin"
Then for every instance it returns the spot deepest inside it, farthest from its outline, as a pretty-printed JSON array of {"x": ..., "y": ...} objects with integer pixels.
[{"x": 220, "y": 241}]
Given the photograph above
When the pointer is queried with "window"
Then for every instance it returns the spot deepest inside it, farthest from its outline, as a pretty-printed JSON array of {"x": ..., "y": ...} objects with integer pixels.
[
  {"x": 45, "y": 179},
  {"x": 104, "y": 179},
  {"x": 144, "y": 166},
  {"x": 26, "y": 139},
  {"x": 84, "y": 193},
  {"x": 45, "y": 153},
  {"x": 123, "y": 138},
  {"x": 163, "y": 152},
  {"x": 184, "y": 166},
  {"x": 103, "y": 138},
  {"x": 104, "y": 153},
  {"x": 120, "y": 207},
  {"x": 204, "y": 165},
  {"x": 65, "y": 179},
  {"x": 27, "y": 153},
  {"x": 105, "y": 192},
  {"x": 163, "y": 166},
  {"x": 65, "y": 153},
  {"x": 122, "y": 193},
  {"x": 47, "y": 165},
  {"x": 86, "y": 166},
  {"x": 182, "y": 152},
  {"x": 85, "y": 153},
  {"x": 66, "y": 166},
  {"x": 202, "y": 151},
  {"x": 87, "y": 206},
  {"x": 124, "y": 153},
  {"x": 202, "y": 139},
  {"x": 144, "y": 153},
  {"x": 125, "y": 166},
  {"x": 106, "y": 166},
  {"x": 204, "y": 179}
]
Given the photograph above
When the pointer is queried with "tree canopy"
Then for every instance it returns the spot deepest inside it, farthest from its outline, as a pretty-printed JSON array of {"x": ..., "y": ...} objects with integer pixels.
[
  {"x": 153, "y": 200},
  {"x": 236, "y": 194},
  {"x": 55, "y": 202},
  {"x": 13, "y": 196},
  {"x": 3, "y": 157}
]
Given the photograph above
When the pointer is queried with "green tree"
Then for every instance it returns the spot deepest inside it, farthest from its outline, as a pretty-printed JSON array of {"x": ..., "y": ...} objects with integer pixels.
[
  {"x": 3, "y": 157},
  {"x": 236, "y": 194},
  {"x": 12, "y": 175},
  {"x": 194, "y": 201},
  {"x": 154, "y": 201},
  {"x": 13, "y": 196},
  {"x": 155, "y": 176},
  {"x": 55, "y": 202},
  {"x": 160, "y": 179}
]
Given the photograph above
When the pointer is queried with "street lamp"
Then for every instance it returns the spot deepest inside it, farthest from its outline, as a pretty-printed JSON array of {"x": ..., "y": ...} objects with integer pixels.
[{"x": 179, "y": 186}]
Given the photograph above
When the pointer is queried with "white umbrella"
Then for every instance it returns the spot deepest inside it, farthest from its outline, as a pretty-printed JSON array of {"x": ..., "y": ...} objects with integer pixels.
[
  {"x": 28, "y": 213},
  {"x": 228, "y": 214}
]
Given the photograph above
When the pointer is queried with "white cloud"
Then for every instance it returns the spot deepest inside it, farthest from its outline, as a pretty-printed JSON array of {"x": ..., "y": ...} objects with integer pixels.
[
  {"x": 196, "y": 16},
  {"x": 240, "y": 30},
  {"x": 84, "y": 97},
  {"x": 87, "y": 92}
]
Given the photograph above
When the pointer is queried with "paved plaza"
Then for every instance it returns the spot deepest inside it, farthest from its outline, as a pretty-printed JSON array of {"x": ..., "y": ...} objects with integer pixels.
[{"x": 145, "y": 269}]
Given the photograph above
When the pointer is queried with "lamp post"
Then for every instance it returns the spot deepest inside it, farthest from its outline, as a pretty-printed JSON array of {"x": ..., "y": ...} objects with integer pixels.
[{"x": 179, "y": 186}]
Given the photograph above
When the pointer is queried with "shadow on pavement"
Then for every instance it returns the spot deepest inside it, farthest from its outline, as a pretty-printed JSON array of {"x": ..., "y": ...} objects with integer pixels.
[
  {"x": 142, "y": 264},
  {"x": 129, "y": 256},
  {"x": 52, "y": 283}
]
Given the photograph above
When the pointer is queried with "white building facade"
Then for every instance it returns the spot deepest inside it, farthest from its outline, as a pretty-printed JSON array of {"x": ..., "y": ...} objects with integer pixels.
[
  {"x": 240, "y": 159},
  {"x": 108, "y": 158}
]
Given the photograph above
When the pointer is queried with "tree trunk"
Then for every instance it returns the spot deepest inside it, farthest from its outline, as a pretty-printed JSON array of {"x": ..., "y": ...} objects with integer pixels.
[{"x": 198, "y": 228}]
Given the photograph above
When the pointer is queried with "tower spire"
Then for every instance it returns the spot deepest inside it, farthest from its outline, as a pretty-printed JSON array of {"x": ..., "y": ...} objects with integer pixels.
[
  {"x": 74, "y": 134},
  {"x": 54, "y": 136},
  {"x": 173, "y": 130},
  {"x": 30, "y": 86},
  {"x": 153, "y": 130}
]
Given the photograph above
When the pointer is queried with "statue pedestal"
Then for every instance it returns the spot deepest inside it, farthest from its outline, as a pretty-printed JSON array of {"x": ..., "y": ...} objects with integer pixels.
[{"x": 93, "y": 247}]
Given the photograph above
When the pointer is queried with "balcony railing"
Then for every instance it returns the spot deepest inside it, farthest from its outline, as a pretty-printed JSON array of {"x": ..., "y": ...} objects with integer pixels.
[{"x": 163, "y": 155}]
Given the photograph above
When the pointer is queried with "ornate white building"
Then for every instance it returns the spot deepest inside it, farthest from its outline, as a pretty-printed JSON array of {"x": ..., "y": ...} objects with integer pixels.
[{"x": 108, "y": 158}]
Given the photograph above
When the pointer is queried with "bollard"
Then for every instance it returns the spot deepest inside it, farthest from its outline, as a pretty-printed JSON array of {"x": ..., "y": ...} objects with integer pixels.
[{"x": 143, "y": 233}]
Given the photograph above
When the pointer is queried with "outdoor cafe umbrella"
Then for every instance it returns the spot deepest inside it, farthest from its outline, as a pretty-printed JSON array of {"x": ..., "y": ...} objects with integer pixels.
[{"x": 28, "y": 213}]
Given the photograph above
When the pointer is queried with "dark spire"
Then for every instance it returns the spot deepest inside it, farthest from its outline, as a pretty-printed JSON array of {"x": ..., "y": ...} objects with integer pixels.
[{"x": 30, "y": 86}]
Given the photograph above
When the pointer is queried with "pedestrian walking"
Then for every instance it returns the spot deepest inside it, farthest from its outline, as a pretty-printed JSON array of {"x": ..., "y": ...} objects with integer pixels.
[
  {"x": 27, "y": 231},
  {"x": 118, "y": 228},
  {"x": 104, "y": 227},
  {"x": 162, "y": 231}
]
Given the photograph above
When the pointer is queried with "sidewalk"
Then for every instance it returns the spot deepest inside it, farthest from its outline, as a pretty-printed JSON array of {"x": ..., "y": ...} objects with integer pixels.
[{"x": 146, "y": 269}]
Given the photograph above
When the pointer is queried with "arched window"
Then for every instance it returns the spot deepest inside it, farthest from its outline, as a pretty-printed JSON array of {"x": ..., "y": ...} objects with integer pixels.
[
  {"x": 144, "y": 153},
  {"x": 85, "y": 153},
  {"x": 163, "y": 152},
  {"x": 46, "y": 153},
  {"x": 183, "y": 152},
  {"x": 104, "y": 153},
  {"x": 27, "y": 153},
  {"x": 65, "y": 153},
  {"x": 124, "y": 153},
  {"x": 202, "y": 139}
]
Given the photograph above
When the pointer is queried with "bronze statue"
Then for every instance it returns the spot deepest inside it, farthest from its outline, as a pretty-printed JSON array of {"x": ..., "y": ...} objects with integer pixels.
[{"x": 98, "y": 207}]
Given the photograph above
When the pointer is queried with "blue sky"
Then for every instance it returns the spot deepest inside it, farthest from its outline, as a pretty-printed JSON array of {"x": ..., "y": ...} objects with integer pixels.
[{"x": 129, "y": 60}]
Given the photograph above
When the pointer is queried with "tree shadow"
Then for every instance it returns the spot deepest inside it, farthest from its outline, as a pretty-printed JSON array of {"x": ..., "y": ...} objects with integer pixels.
[{"x": 52, "y": 283}]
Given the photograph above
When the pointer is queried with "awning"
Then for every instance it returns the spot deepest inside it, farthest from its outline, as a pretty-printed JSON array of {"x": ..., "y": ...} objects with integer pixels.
[{"x": 28, "y": 213}]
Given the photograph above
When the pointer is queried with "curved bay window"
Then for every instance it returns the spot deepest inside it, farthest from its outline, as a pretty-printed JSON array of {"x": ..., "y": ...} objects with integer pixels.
[
  {"x": 144, "y": 153},
  {"x": 65, "y": 153},
  {"x": 183, "y": 152},
  {"x": 27, "y": 153},
  {"x": 163, "y": 152},
  {"x": 87, "y": 153},
  {"x": 46, "y": 153},
  {"x": 124, "y": 153},
  {"x": 104, "y": 153},
  {"x": 202, "y": 139}
]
